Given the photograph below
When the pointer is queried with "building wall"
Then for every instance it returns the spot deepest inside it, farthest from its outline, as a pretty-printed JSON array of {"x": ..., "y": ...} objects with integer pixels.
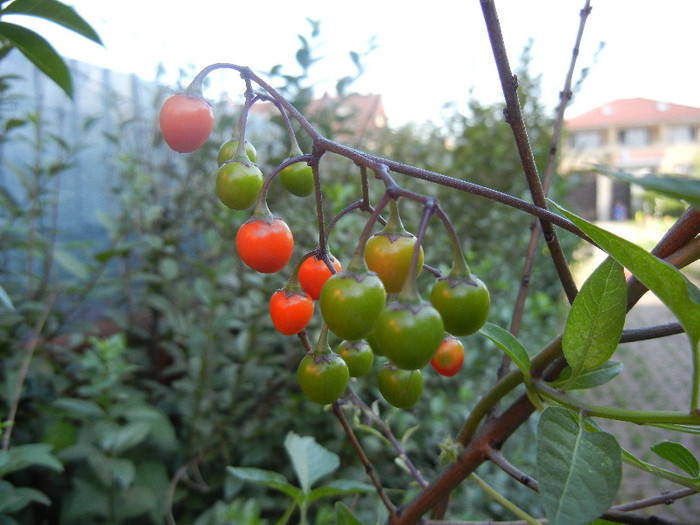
[{"x": 639, "y": 148}]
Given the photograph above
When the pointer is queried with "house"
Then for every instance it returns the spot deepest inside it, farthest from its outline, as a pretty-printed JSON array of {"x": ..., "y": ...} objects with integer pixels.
[{"x": 636, "y": 135}]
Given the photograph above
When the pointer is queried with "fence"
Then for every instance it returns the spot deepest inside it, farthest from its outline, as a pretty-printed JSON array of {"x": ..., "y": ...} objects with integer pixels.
[{"x": 90, "y": 127}]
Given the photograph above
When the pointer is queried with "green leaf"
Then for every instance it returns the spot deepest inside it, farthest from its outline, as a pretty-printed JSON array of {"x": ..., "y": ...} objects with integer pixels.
[
  {"x": 53, "y": 11},
  {"x": 589, "y": 378},
  {"x": 671, "y": 286},
  {"x": 310, "y": 460},
  {"x": 596, "y": 319},
  {"x": 267, "y": 478},
  {"x": 5, "y": 299},
  {"x": 135, "y": 501},
  {"x": 125, "y": 437},
  {"x": 25, "y": 456},
  {"x": 14, "y": 123},
  {"x": 510, "y": 345},
  {"x": 679, "y": 456},
  {"x": 71, "y": 264},
  {"x": 579, "y": 471},
  {"x": 339, "y": 488},
  {"x": 40, "y": 53},
  {"x": 682, "y": 188},
  {"x": 86, "y": 501},
  {"x": 686, "y": 481},
  {"x": 13, "y": 499},
  {"x": 344, "y": 515},
  {"x": 83, "y": 408},
  {"x": 111, "y": 470}
]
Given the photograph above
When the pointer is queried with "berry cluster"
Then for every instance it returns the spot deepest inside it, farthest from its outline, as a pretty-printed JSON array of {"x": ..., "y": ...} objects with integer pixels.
[{"x": 373, "y": 305}]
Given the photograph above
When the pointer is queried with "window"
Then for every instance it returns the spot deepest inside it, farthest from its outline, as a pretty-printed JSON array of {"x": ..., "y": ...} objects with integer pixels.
[
  {"x": 586, "y": 139},
  {"x": 634, "y": 137},
  {"x": 681, "y": 134}
]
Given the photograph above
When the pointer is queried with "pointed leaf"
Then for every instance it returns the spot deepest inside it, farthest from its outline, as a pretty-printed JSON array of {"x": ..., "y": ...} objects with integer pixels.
[
  {"x": 344, "y": 515},
  {"x": 267, "y": 478},
  {"x": 679, "y": 456},
  {"x": 579, "y": 471},
  {"x": 597, "y": 318},
  {"x": 678, "y": 187},
  {"x": 81, "y": 408},
  {"x": 311, "y": 461},
  {"x": 686, "y": 481},
  {"x": 5, "y": 299},
  {"x": 72, "y": 264},
  {"x": 40, "y": 53},
  {"x": 589, "y": 378},
  {"x": 112, "y": 471},
  {"x": 125, "y": 437},
  {"x": 13, "y": 499},
  {"x": 671, "y": 286},
  {"x": 53, "y": 11},
  {"x": 339, "y": 488},
  {"x": 25, "y": 456},
  {"x": 510, "y": 345}
]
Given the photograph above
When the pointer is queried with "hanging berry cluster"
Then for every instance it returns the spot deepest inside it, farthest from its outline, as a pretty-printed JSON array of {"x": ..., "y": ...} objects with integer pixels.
[{"x": 373, "y": 305}]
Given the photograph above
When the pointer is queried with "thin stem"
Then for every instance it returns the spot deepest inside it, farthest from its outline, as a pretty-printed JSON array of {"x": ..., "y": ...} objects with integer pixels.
[
  {"x": 322, "y": 239},
  {"x": 293, "y": 286},
  {"x": 651, "y": 332},
  {"x": 521, "y": 477},
  {"x": 261, "y": 210},
  {"x": 640, "y": 417},
  {"x": 390, "y": 436},
  {"x": 460, "y": 268},
  {"x": 322, "y": 347},
  {"x": 639, "y": 519},
  {"x": 358, "y": 258},
  {"x": 365, "y": 186},
  {"x": 242, "y": 123},
  {"x": 364, "y": 460},
  {"x": 565, "y": 97},
  {"x": 514, "y": 117},
  {"x": 666, "y": 498},
  {"x": 22, "y": 374},
  {"x": 409, "y": 290},
  {"x": 493, "y": 493}
]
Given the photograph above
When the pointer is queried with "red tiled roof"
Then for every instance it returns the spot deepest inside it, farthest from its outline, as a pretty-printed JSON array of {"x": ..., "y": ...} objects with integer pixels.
[{"x": 633, "y": 111}]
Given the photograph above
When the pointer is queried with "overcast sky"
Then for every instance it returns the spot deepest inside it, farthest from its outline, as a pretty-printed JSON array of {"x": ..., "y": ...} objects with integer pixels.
[{"x": 428, "y": 54}]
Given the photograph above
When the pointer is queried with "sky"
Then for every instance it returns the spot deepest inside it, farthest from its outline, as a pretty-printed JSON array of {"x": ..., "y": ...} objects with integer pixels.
[{"x": 428, "y": 53}]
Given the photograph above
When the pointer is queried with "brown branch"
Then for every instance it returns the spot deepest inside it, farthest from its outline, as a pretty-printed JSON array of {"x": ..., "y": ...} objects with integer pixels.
[
  {"x": 365, "y": 461},
  {"x": 665, "y": 498},
  {"x": 650, "y": 332},
  {"x": 514, "y": 472},
  {"x": 536, "y": 230},
  {"x": 357, "y": 400},
  {"x": 514, "y": 117},
  {"x": 641, "y": 519}
]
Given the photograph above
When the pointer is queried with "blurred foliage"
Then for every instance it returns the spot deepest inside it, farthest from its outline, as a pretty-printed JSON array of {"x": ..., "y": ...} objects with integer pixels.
[{"x": 185, "y": 374}]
